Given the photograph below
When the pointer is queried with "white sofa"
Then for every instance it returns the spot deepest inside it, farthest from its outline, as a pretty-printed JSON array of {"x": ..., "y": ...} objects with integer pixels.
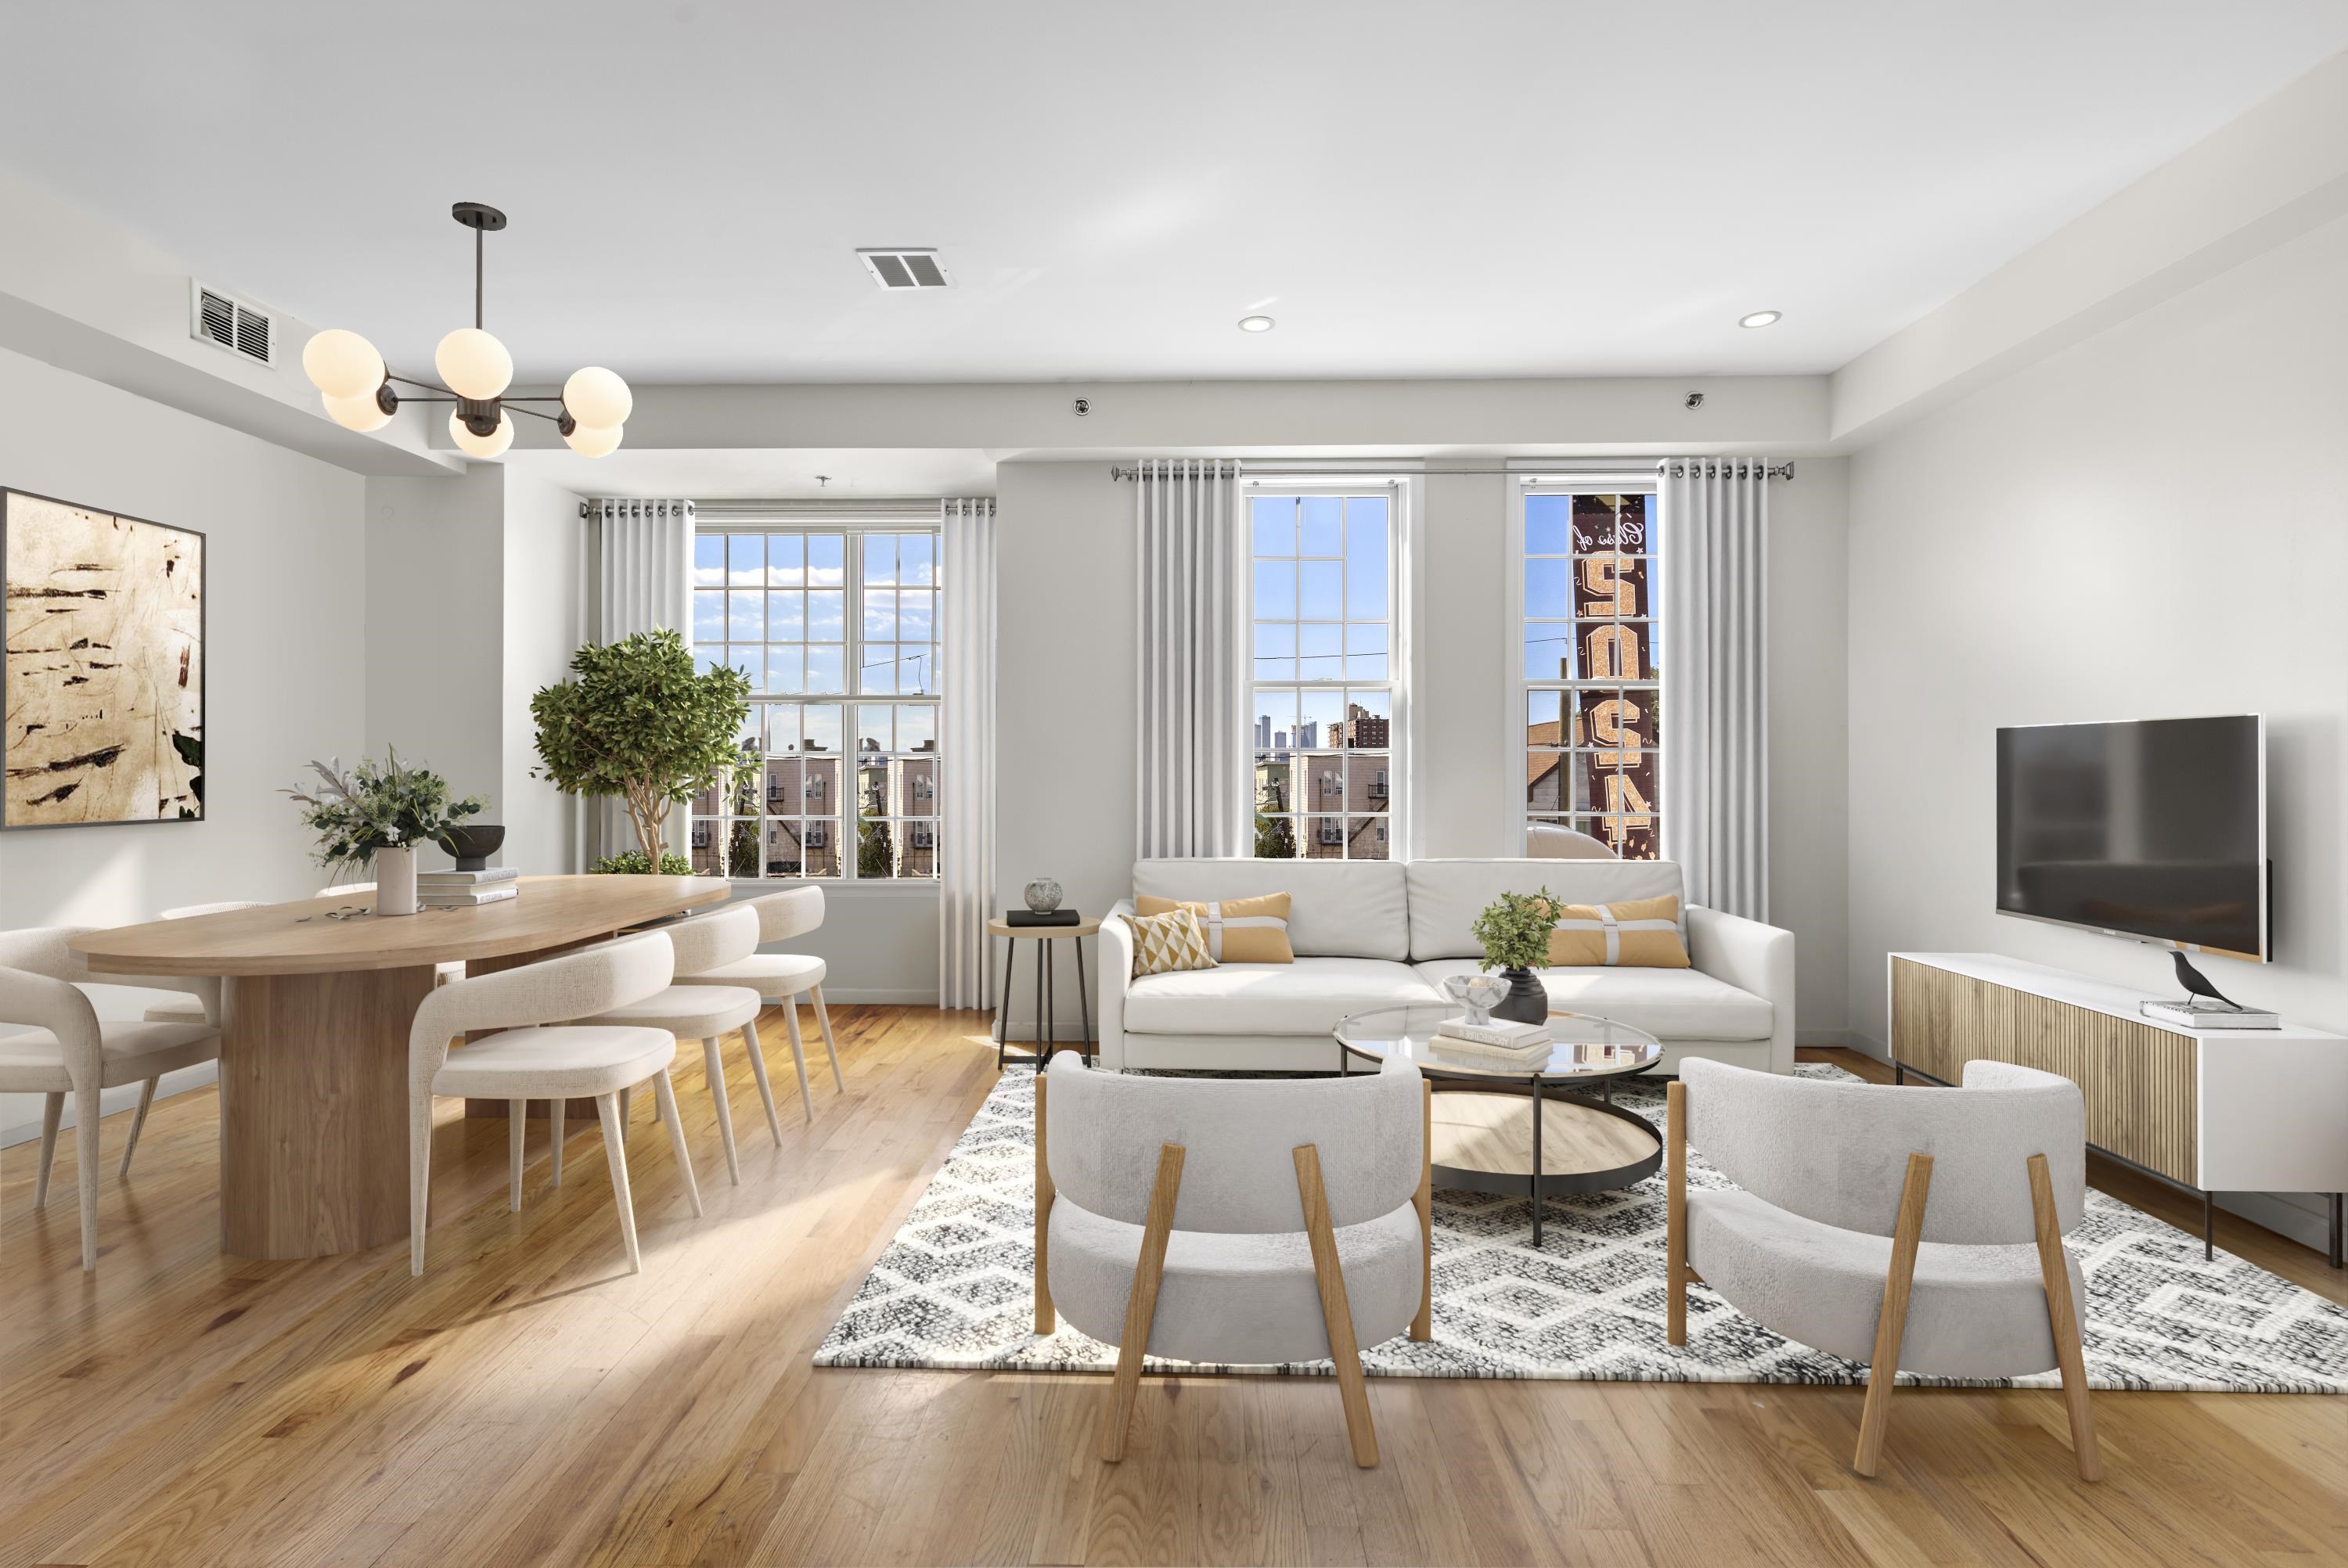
[{"x": 1369, "y": 932}]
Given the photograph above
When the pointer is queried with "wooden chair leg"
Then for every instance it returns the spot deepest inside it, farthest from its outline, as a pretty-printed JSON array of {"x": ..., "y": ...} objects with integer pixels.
[
  {"x": 87, "y": 1116},
  {"x": 798, "y": 1052},
  {"x": 715, "y": 1065},
  {"x": 1141, "y": 1305},
  {"x": 53, "y": 1116},
  {"x": 419, "y": 1177},
  {"x": 823, "y": 1026},
  {"x": 1675, "y": 1212},
  {"x": 137, "y": 1125},
  {"x": 557, "y": 1108},
  {"x": 758, "y": 1071},
  {"x": 517, "y": 1140},
  {"x": 1883, "y": 1371},
  {"x": 1046, "y": 1317},
  {"x": 2062, "y": 1317},
  {"x": 664, "y": 1094},
  {"x": 1422, "y": 1327},
  {"x": 1336, "y": 1313},
  {"x": 616, "y": 1156}
]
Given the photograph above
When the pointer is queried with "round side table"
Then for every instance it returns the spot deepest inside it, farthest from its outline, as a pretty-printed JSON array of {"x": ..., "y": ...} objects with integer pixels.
[{"x": 1047, "y": 1039}]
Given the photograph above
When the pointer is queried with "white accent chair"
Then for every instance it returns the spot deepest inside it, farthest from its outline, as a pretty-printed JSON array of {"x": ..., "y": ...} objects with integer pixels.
[
  {"x": 1916, "y": 1228},
  {"x": 779, "y": 978},
  {"x": 525, "y": 1062},
  {"x": 704, "y": 1012},
  {"x": 68, "y": 1049},
  {"x": 1282, "y": 1221}
]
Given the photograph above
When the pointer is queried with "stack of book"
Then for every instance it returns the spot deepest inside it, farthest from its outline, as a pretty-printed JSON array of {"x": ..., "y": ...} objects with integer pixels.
[
  {"x": 465, "y": 890},
  {"x": 1519, "y": 1042},
  {"x": 1042, "y": 918}
]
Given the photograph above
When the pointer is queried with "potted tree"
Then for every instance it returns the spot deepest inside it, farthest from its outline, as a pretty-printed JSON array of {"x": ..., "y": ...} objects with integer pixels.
[
  {"x": 637, "y": 723},
  {"x": 376, "y": 815},
  {"x": 1513, "y": 930}
]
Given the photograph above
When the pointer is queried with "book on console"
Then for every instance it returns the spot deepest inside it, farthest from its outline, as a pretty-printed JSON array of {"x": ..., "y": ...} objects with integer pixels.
[
  {"x": 466, "y": 878},
  {"x": 1499, "y": 1032},
  {"x": 2187, "y": 1015}
]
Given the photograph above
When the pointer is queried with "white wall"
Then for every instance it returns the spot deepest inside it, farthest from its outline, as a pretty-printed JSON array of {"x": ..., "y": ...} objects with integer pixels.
[
  {"x": 2153, "y": 523},
  {"x": 284, "y": 560},
  {"x": 545, "y": 617}
]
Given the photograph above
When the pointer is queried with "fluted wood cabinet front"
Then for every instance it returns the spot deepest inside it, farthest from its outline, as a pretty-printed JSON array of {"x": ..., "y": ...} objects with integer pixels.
[{"x": 2137, "y": 1079}]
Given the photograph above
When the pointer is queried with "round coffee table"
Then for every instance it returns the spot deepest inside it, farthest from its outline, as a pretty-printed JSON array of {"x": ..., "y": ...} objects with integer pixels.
[{"x": 1534, "y": 1127}]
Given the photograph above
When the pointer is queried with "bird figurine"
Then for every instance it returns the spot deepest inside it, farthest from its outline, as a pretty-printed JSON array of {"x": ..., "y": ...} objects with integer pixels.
[{"x": 2198, "y": 984}]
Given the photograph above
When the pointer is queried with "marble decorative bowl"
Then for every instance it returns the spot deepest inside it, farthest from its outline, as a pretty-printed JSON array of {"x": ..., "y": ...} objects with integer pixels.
[
  {"x": 1478, "y": 993},
  {"x": 1043, "y": 895}
]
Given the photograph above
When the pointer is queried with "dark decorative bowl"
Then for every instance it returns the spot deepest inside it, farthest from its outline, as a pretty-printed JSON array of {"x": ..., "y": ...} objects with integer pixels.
[{"x": 473, "y": 845}]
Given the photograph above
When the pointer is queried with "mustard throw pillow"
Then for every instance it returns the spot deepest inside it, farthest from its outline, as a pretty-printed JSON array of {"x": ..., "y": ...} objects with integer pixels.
[
  {"x": 1238, "y": 930},
  {"x": 1638, "y": 933},
  {"x": 1167, "y": 942}
]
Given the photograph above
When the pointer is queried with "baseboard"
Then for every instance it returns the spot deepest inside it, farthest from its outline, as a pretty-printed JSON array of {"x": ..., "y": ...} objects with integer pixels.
[
  {"x": 1866, "y": 1045},
  {"x": 121, "y": 1097}
]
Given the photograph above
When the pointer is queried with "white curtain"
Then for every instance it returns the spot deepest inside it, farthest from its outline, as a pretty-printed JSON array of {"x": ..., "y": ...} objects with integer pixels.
[
  {"x": 1191, "y": 620},
  {"x": 1716, "y": 673},
  {"x": 966, "y": 748},
  {"x": 645, "y": 551}
]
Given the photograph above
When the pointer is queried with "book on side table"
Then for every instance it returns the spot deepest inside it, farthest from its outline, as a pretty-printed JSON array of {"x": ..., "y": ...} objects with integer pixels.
[{"x": 1046, "y": 918}]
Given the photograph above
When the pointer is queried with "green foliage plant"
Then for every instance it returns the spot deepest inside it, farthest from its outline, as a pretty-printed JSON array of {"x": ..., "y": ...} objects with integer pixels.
[{"x": 1513, "y": 930}]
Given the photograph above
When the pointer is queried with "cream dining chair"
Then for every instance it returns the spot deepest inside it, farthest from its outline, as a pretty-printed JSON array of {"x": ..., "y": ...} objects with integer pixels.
[
  {"x": 704, "y": 1012},
  {"x": 528, "y": 1059},
  {"x": 779, "y": 978},
  {"x": 66, "y": 1049}
]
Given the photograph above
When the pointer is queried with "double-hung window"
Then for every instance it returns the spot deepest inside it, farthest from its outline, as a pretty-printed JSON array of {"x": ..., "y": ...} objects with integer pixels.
[
  {"x": 1327, "y": 743},
  {"x": 836, "y": 626},
  {"x": 1590, "y": 685}
]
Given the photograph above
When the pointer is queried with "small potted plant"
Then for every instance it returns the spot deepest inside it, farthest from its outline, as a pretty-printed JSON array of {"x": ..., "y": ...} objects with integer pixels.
[
  {"x": 376, "y": 815},
  {"x": 1513, "y": 930}
]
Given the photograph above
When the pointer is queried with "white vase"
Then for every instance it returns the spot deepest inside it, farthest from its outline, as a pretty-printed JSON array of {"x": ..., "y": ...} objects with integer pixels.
[{"x": 394, "y": 882}]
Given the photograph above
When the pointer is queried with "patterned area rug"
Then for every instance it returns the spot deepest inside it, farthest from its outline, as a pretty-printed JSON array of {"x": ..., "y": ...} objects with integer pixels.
[{"x": 953, "y": 1290}]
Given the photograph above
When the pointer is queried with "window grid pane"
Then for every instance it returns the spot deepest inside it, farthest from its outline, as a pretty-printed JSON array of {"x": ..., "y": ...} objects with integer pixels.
[
  {"x": 820, "y": 618},
  {"x": 1593, "y": 687},
  {"x": 1322, "y": 590}
]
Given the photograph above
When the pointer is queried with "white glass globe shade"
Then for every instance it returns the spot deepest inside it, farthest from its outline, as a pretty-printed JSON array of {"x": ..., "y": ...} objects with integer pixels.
[
  {"x": 491, "y": 445},
  {"x": 473, "y": 364},
  {"x": 341, "y": 363},
  {"x": 594, "y": 440},
  {"x": 361, "y": 414},
  {"x": 596, "y": 397}
]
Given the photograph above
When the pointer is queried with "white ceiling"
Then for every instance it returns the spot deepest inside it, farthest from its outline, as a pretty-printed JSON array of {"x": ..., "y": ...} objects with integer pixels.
[
  {"x": 800, "y": 473},
  {"x": 1531, "y": 188}
]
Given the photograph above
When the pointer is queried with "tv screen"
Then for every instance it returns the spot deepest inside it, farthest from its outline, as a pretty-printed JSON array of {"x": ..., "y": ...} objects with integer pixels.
[{"x": 2154, "y": 828}]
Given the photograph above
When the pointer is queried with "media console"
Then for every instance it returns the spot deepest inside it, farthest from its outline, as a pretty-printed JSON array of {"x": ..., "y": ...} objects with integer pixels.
[{"x": 2213, "y": 1110}]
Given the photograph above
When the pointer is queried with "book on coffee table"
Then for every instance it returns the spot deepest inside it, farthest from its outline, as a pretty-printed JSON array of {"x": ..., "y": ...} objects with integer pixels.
[{"x": 1500, "y": 1032}]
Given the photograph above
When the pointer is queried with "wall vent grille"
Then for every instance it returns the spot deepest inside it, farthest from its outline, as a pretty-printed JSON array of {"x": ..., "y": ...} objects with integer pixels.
[
  {"x": 228, "y": 322},
  {"x": 903, "y": 266}
]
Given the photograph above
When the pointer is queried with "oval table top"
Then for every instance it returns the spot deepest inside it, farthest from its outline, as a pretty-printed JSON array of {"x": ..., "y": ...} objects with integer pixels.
[{"x": 297, "y": 938}]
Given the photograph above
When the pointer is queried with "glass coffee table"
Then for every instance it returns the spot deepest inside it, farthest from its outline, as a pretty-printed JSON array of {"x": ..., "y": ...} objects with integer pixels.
[{"x": 1533, "y": 1128}]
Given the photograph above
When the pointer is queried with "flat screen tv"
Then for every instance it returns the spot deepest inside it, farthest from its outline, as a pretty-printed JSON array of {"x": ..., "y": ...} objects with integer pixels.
[{"x": 2152, "y": 828}]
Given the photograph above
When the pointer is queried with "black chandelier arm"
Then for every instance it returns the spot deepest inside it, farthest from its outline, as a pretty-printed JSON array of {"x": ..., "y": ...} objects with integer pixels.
[{"x": 534, "y": 413}]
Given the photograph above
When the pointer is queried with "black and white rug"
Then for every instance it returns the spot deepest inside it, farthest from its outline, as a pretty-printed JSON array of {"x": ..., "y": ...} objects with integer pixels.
[{"x": 953, "y": 1290}]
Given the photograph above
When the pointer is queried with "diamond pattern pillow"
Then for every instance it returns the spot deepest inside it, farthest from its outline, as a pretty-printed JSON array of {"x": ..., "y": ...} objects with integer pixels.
[{"x": 1165, "y": 943}]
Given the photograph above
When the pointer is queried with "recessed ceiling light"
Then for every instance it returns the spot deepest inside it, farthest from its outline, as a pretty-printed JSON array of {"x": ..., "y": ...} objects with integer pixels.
[
  {"x": 1255, "y": 323},
  {"x": 1759, "y": 319}
]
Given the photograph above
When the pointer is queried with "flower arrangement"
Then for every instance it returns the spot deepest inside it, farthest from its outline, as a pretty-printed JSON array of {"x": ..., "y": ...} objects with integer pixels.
[
  {"x": 376, "y": 806},
  {"x": 1513, "y": 930}
]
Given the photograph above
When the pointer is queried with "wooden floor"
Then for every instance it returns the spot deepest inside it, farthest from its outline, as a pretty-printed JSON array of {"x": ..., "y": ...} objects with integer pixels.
[{"x": 528, "y": 1401}]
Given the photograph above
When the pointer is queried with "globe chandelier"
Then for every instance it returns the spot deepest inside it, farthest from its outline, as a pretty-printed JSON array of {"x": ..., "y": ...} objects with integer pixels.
[{"x": 475, "y": 371}]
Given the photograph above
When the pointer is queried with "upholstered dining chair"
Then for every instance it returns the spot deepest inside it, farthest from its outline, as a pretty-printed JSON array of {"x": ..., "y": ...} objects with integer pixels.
[
  {"x": 704, "y": 1012},
  {"x": 1234, "y": 1220},
  {"x": 1915, "y": 1228},
  {"x": 525, "y": 1060},
  {"x": 778, "y": 978},
  {"x": 66, "y": 1049}
]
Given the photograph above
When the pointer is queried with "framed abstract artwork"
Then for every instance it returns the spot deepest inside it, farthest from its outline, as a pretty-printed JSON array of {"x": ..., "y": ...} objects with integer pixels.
[{"x": 102, "y": 689}]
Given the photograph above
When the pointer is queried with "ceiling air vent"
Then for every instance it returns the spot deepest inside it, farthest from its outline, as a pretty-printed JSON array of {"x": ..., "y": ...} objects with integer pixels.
[
  {"x": 902, "y": 267},
  {"x": 229, "y": 323}
]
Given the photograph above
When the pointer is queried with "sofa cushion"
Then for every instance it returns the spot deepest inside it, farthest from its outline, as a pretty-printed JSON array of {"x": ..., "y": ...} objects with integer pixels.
[
  {"x": 1168, "y": 942},
  {"x": 1237, "y": 930},
  {"x": 1307, "y": 997},
  {"x": 1670, "y": 1004},
  {"x": 1445, "y": 895},
  {"x": 1635, "y": 934},
  {"x": 1336, "y": 909}
]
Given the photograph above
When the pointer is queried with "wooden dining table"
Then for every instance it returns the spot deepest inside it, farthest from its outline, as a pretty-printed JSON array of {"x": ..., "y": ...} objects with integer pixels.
[{"x": 314, "y": 1036}]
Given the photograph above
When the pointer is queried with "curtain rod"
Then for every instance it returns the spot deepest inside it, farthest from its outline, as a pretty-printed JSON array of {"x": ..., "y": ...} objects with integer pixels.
[{"x": 1675, "y": 467}]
